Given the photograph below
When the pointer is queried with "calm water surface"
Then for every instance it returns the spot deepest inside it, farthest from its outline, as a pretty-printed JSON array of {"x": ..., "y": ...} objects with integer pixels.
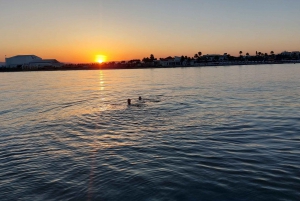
[{"x": 225, "y": 133}]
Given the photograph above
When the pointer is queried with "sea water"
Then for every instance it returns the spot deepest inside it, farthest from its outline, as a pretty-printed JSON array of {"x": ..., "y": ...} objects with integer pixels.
[{"x": 200, "y": 133}]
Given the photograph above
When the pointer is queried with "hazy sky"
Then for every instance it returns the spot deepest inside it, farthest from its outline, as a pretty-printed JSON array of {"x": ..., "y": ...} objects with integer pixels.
[{"x": 77, "y": 30}]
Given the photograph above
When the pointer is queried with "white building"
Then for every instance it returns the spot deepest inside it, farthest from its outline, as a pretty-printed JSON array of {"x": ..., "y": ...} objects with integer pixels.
[
  {"x": 170, "y": 61},
  {"x": 20, "y": 60}
]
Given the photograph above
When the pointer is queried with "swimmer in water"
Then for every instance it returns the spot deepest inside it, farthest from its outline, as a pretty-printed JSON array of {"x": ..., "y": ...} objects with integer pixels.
[
  {"x": 129, "y": 101},
  {"x": 140, "y": 98}
]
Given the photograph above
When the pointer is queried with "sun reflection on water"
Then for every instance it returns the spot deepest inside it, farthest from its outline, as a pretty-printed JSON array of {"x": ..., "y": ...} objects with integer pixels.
[{"x": 101, "y": 81}]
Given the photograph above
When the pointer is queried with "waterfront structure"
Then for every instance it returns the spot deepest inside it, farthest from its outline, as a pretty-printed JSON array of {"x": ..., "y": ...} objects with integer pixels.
[
  {"x": 31, "y": 62},
  {"x": 20, "y": 60},
  {"x": 170, "y": 61},
  {"x": 286, "y": 53},
  {"x": 290, "y": 53},
  {"x": 42, "y": 64},
  {"x": 215, "y": 57}
]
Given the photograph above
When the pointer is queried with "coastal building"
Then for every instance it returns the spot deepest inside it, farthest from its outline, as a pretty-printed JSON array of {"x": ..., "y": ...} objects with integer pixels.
[
  {"x": 286, "y": 53},
  {"x": 43, "y": 63},
  {"x": 215, "y": 57},
  {"x": 20, "y": 60},
  {"x": 296, "y": 53},
  {"x": 170, "y": 61},
  {"x": 291, "y": 55},
  {"x": 30, "y": 62}
]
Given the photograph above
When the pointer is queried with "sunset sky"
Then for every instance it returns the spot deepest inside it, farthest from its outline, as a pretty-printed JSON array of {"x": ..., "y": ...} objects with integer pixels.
[{"x": 78, "y": 30}]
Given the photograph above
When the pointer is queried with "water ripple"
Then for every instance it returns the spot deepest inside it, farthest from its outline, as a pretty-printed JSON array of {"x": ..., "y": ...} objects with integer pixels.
[{"x": 199, "y": 134}]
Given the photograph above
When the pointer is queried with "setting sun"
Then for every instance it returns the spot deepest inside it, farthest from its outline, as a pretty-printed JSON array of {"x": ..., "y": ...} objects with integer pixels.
[{"x": 100, "y": 58}]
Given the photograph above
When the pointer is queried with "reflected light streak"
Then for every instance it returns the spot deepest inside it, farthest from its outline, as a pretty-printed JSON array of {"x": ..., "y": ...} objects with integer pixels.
[{"x": 101, "y": 82}]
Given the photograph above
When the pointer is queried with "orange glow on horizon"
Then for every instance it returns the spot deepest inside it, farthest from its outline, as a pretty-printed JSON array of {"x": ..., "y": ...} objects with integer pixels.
[{"x": 100, "y": 58}]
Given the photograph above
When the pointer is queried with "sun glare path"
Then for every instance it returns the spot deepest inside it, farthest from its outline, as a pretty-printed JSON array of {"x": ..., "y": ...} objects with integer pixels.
[{"x": 100, "y": 58}]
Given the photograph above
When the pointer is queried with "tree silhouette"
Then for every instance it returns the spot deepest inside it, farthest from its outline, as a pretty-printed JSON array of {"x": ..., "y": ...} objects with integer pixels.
[
  {"x": 182, "y": 59},
  {"x": 196, "y": 56},
  {"x": 295, "y": 55},
  {"x": 152, "y": 57},
  {"x": 199, "y": 54},
  {"x": 145, "y": 60},
  {"x": 241, "y": 52}
]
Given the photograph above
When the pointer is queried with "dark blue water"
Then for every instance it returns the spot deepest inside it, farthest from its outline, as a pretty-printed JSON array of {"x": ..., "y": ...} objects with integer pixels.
[{"x": 226, "y": 133}]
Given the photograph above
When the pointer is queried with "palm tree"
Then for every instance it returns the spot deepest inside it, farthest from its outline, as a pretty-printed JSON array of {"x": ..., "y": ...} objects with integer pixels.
[
  {"x": 247, "y": 54},
  {"x": 241, "y": 52},
  {"x": 196, "y": 56},
  {"x": 200, "y": 54},
  {"x": 272, "y": 52}
]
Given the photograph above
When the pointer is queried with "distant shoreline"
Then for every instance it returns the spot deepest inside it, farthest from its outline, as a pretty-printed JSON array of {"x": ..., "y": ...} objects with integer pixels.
[{"x": 120, "y": 67}]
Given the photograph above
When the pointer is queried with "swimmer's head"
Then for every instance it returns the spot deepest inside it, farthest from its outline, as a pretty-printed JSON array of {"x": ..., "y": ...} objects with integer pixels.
[
  {"x": 129, "y": 101},
  {"x": 140, "y": 98}
]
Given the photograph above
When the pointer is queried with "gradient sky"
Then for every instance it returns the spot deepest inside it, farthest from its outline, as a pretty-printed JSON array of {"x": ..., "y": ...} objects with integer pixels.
[{"x": 77, "y": 30}]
